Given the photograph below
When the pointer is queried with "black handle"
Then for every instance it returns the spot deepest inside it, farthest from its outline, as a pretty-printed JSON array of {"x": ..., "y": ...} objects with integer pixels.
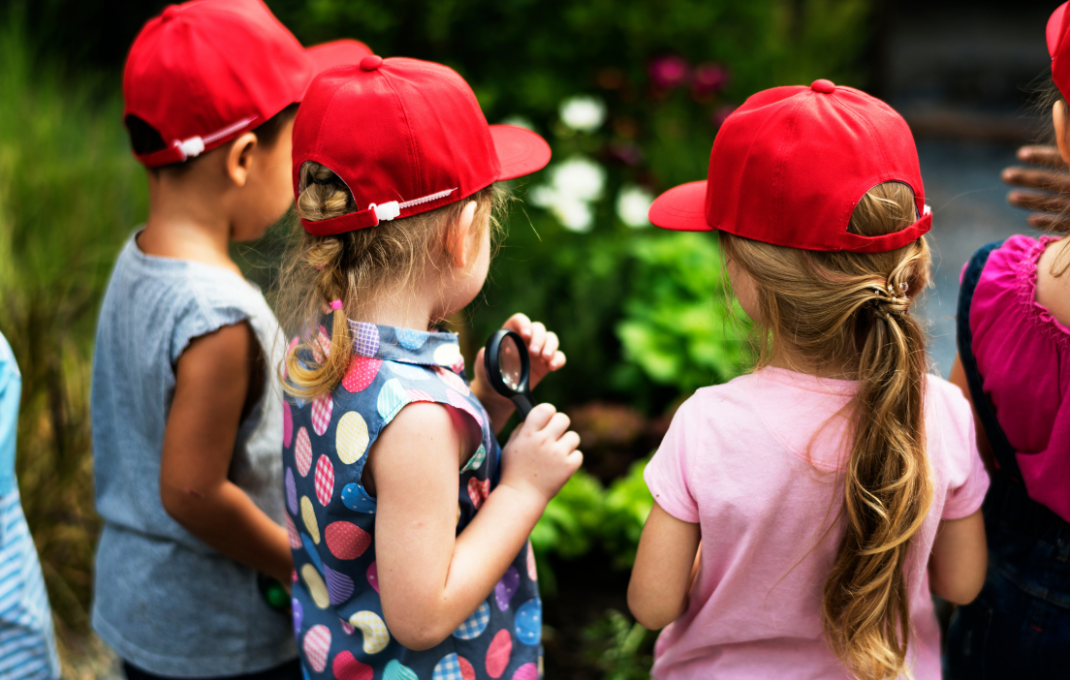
[{"x": 521, "y": 396}]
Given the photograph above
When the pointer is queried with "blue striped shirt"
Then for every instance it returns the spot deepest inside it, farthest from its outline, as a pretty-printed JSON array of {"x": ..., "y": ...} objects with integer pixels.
[{"x": 27, "y": 643}]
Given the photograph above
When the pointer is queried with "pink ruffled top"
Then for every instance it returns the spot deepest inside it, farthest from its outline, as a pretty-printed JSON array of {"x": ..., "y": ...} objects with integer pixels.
[{"x": 1023, "y": 353}]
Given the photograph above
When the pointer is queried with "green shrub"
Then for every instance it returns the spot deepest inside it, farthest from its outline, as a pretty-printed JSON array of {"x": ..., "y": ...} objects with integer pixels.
[{"x": 69, "y": 194}]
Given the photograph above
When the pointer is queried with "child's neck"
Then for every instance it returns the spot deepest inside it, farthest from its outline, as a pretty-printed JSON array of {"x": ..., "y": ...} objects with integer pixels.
[
  {"x": 416, "y": 307},
  {"x": 187, "y": 222},
  {"x": 793, "y": 361}
]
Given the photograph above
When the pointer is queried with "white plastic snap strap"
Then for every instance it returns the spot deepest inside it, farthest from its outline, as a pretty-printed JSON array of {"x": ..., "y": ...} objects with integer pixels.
[
  {"x": 194, "y": 146},
  {"x": 386, "y": 211}
]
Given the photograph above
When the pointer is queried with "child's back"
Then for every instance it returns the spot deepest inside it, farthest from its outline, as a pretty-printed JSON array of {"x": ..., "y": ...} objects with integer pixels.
[
  {"x": 827, "y": 492},
  {"x": 187, "y": 419},
  {"x": 758, "y": 464},
  {"x": 151, "y": 571}
]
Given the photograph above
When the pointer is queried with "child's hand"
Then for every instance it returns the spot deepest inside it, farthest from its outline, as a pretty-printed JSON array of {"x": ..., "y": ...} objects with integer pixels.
[
  {"x": 544, "y": 357},
  {"x": 541, "y": 454}
]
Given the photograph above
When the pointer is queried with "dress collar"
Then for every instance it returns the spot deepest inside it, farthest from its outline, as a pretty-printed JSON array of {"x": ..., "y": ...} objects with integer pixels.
[{"x": 406, "y": 345}]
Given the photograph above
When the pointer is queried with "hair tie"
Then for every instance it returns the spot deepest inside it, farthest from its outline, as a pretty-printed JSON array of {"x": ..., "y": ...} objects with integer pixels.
[{"x": 336, "y": 305}]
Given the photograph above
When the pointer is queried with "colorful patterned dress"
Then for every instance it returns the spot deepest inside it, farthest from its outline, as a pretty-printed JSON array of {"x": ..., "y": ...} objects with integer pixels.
[{"x": 338, "y": 617}]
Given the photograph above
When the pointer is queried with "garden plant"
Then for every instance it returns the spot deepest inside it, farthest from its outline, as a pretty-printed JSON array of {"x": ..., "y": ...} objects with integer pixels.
[{"x": 630, "y": 95}]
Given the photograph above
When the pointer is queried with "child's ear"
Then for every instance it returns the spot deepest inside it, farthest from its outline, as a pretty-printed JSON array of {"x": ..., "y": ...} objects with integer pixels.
[
  {"x": 240, "y": 158},
  {"x": 458, "y": 239},
  {"x": 1062, "y": 134}
]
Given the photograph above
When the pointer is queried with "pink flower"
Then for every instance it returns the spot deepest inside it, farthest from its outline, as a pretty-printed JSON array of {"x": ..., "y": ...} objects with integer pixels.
[
  {"x": 708, "y": 78},
  {"x": 669, "y": 71},
  {"x": 721, "y": 114}
]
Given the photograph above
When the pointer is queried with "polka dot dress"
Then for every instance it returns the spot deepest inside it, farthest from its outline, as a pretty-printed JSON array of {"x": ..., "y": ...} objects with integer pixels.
[{"x": 338, "y": 617}]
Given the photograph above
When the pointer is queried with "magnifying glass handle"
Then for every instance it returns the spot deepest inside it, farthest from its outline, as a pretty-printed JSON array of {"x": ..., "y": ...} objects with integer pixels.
[{"x": 524, "y": 403}]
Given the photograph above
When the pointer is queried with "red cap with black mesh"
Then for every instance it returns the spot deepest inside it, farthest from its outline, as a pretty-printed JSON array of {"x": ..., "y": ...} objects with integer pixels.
[
  {"x": 204, "y": 72},
  {"x": 790, "y": 165},
  {"x": 406, "y": 136}
]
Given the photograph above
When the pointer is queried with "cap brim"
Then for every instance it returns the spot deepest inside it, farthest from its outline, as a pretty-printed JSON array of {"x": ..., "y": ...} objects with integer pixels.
[
  {"x": 326, "y": 56},
  {"x": 520, "y": 151},
  {"x": 1055, "y": 28},
  {"x": 681, "y": 208}
]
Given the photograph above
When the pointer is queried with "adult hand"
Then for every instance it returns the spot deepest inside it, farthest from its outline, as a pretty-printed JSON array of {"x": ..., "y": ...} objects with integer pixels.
[{"x": 1048, "y": 181}]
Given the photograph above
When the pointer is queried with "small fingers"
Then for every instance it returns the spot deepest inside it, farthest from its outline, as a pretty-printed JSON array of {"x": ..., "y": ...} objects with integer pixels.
[
  {"x": 570, "y": 440},
  {"x": 549, "y": 348},
  {"x": 1042, "y": 155},
  {"x": 539, "y": 416},
  {"x": 575, "y": 460},
  {"x": 538, "y": 338},
  {"x": 558, "y": 362},
  {"x": 1058, "y": 223},
  {"x": 557, "y": 426},
  {"x": 1045, "y": 203},
  {"x": 519, "y": 323},
  {"x": 1049, "y": 180}
]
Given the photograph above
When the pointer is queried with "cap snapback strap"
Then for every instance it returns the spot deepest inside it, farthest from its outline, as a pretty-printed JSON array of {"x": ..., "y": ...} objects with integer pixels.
[
  {"x": 856, "y": 243},
  {"x": 371, "y": 217}
]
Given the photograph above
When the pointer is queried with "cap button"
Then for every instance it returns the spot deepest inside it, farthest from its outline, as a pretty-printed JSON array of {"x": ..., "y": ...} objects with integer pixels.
[
  {"x": 169, "y": 13},
  {"x": 824, "y": 86},
  {"x": 371, "y": 62}
]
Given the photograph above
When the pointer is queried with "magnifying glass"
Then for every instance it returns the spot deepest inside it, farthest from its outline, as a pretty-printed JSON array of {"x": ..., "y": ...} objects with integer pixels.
[{"x": 508, "y": 368}]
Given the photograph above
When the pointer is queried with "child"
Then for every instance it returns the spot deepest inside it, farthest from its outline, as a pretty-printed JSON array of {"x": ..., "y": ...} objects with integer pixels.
[
  {"x": 389, "y": 452},
  {"x": 1014, "y": 365},
  {"x": 835, "y": 485},
  {"x": 27, "y": 642},
  {"x": 187, "y": 423}
]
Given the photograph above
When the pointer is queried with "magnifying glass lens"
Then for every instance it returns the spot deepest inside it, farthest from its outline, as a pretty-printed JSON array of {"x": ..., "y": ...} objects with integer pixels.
[{"x": 509, "y": 363}]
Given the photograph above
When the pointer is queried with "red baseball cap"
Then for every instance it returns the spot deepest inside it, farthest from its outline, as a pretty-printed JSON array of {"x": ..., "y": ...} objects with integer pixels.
[
  {"x": 790, "y": 165},
  {"x": 1059, "y": 49},
  {"x": 406, "y": 136},
  {"x": 204, "y": 72}
]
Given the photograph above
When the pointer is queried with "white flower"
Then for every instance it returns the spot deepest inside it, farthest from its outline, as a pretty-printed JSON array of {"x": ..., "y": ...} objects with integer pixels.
[
  {"x": 519, "y": 121},
  {"x": 573, "y": 185},
  {"x": 573, "y": 213},
  {"x": 579, "y": 178},
  {"x": 583, "y": 113},
  {"x": 633, "y": 204}
]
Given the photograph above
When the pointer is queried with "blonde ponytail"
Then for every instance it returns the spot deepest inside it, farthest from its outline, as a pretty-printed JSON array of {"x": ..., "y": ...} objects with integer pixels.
[
  {"x": 350, "y": 269},
  {"x": 849, "y": 313}
]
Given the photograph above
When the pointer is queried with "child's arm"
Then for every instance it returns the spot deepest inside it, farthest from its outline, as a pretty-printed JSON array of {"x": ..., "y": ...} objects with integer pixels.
[
  {"x": 430, "y": 579},
  {"x": 212, "y": 382},
  {"x": 665, "y": 568},
  {"x": 959, "y": 559},
  {"x": 543, "y": 354}
]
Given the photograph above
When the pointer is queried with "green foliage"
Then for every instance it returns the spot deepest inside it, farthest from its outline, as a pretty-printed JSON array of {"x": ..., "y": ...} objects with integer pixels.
[
  {"x": 619, "y": 647},
  {"x": 69, "y": 194},
  {"x": 681, "y": 326},
  {"x": 585, "y": 515},
  {"x": 665, "y": 73}
]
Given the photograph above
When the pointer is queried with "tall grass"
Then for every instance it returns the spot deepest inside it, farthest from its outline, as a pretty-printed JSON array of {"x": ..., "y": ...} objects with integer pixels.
[{"x": 70, "y": 192}]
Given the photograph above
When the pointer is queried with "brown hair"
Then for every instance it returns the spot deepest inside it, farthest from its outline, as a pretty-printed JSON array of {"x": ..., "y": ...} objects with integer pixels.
[
  {"x": 1047, "y": 98},
  {"x": 353, "y": 267},
  {"x": 849, "y": 313}
]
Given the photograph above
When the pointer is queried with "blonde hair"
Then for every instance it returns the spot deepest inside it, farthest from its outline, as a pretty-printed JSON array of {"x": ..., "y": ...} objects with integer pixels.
[
  {"x": 849, "y": 313},
  {"x": 354, "y": 267}
]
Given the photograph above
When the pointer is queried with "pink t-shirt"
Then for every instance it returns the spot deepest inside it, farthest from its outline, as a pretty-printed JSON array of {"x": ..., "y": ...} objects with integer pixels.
[{"x": 755, "y": 463}]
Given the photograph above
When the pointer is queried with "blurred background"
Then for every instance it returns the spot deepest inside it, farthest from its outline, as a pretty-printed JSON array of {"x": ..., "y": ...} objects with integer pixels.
[{"x": 630, "y": 95}]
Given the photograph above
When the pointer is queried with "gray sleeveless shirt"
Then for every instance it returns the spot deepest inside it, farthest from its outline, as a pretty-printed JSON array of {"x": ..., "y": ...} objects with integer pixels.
[{"x": 164, "y": 600}]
